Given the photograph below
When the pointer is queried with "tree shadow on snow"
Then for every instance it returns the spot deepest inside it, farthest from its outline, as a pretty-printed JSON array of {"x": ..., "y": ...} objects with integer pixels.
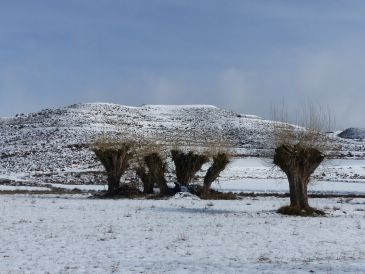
[{"x": 206, "y": 210}]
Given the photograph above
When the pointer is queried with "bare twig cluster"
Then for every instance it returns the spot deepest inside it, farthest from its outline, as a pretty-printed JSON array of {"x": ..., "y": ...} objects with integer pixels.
[{"x": 300, "y": 150}]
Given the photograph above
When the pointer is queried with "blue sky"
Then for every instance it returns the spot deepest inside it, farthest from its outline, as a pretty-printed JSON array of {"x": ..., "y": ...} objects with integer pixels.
[{"x": 237, "y": 54}]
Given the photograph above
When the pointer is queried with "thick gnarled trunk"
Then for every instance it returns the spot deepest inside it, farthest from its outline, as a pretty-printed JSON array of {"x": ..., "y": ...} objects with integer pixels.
[
  {"x": 298, "y": 191},
  {"x": 146, "y": 179},
  {"x": 298, "y": 163},
  {"x": 220, "y": 162},
  {"x": 156, "y": 167}
]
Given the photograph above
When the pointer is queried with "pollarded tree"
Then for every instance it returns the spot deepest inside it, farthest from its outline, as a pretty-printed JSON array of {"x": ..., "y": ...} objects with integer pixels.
[
  {"x": 298, "y": 153},
  {"x": 152, "y": 171},
  {"x": 187, "y": 165},
  {"x": 220, "y": 161},
  {"x": 115, "y": 157},
  {"x": 298, "y": 163}
]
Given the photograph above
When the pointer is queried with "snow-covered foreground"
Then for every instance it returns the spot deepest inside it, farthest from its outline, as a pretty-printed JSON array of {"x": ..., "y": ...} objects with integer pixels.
[{"x": 73, "y": 234}]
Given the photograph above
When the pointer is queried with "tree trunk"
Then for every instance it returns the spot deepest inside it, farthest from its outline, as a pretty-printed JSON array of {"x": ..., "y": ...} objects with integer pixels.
[
  {"x": 113, "y": 184},
  {"x": 298, "y": 163},
  {"x": 146, "y": 179},
  {"x": 220, "y": 162},
  {"x": 298, "y": 191},
  {"x": 157, "y": 170}
]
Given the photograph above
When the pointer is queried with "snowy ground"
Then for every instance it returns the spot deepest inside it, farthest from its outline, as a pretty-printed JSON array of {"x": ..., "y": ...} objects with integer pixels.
[
  {"x": 73, "y": 234},
  {"x": 65, "y": 233}
]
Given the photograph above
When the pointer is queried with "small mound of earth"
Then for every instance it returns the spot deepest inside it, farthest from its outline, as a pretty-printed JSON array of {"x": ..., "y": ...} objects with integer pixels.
[{"x": 184, "y": 196}]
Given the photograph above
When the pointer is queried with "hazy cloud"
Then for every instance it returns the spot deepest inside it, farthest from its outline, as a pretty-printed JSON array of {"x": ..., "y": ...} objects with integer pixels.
[{"x": 232, "y": 91}]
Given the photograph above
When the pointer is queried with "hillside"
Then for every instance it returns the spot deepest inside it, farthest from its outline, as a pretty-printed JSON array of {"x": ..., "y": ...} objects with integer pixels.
[
  {"x": 353, "y": 133},
  {"x": 52, "y": 145}
]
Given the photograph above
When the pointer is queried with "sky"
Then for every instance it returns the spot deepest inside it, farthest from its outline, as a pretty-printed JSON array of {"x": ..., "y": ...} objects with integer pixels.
[{"x": 241, "y": 55}]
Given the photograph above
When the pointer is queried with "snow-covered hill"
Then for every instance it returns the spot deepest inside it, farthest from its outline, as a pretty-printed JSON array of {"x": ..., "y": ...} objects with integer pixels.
[
  {"x": 52, "y": 145},
  {"x": 353, "y": 133}
]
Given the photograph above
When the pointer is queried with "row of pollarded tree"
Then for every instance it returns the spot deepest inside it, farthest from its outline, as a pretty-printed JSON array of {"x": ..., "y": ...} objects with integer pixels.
[
  {"x": 298, "y": 152},
  {"x": 150, "y": 165}
]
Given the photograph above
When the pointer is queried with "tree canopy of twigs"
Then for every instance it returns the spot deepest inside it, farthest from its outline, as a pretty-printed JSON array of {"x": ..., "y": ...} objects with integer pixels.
[
  {"x": 299, "y": 150},
  {"x": 309, "y": 128}
]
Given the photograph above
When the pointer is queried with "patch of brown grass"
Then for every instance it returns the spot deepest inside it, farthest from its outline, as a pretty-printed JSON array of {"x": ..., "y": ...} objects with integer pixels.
[
  {"x": 124, "y": 191},
  {"x": 295, "y": 211},
  {"x": 55, "y": 191},
  {"x": 216, "y": 195}
]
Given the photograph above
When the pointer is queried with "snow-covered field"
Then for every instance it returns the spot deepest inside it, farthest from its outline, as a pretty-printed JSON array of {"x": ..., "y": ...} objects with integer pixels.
[{"x": 74, "y": 234}]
